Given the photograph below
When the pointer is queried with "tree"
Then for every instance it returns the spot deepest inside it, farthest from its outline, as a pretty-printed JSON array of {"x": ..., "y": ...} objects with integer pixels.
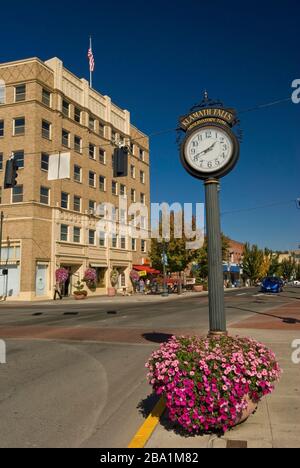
[
  {"x": 200, "y": 259},
  {"x": 288, "y": 268},
  {"x": 178, "y": 256},
  {"x": 253, "y": 262}
]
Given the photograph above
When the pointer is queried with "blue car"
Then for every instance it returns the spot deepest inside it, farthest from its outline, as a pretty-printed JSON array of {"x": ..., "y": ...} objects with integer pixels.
[{"x": 272, "y": 285}]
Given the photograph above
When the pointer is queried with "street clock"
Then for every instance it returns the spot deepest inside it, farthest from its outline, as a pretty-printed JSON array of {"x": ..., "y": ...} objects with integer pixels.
[{"x": 210, "y": 148}]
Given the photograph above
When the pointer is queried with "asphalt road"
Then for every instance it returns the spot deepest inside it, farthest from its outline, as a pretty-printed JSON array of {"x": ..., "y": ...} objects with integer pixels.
[{"x": 75, "y": 374}]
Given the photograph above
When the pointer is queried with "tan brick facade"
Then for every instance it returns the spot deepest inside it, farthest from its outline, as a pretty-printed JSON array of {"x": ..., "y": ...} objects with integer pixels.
[{"x": 32, "y": 246}]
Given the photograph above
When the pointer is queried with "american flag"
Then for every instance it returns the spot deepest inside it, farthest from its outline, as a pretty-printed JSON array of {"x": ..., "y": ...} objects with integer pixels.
[{"x": 91, "y": 59}]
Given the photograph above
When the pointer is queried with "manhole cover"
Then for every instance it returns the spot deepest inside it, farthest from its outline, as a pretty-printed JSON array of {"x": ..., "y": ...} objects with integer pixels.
[{"x": 237, "y": 444}]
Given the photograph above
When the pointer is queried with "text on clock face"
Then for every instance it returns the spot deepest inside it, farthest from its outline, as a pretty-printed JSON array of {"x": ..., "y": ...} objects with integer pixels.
[{"x": 209, "y": 149}]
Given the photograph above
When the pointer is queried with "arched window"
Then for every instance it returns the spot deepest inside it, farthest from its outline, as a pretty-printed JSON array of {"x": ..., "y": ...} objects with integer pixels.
[{"x": 2, "y": 92}]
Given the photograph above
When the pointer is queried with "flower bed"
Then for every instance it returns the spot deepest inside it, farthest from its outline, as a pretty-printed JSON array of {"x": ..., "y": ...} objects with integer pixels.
[{"x": 208, "y": 382}]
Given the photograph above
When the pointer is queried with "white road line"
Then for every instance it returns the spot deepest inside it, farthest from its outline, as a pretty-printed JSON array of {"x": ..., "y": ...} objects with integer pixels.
[{"x": 242, "y": 294}]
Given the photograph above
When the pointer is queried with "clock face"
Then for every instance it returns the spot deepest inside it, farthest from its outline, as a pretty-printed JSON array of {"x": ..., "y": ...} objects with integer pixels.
[{"x": 209, "y": 149}]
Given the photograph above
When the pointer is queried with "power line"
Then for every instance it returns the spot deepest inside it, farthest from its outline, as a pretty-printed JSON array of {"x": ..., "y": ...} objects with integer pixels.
[
  {"x": 259, "y": 207},
  {"x": 161, "y": 132}
]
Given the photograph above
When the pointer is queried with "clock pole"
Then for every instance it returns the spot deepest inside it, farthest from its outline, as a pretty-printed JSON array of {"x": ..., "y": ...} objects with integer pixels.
[{"x": 217, "y": 316}]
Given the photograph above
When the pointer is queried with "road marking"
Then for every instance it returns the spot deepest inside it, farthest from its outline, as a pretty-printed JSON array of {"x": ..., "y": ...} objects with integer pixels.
[
  {"x": 145, "y": 431},
  {"x": 242, "y": 294}
]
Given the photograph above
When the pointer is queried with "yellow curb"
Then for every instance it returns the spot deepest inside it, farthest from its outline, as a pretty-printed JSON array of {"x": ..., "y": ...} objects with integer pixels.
[{"x": 144, "y": 433}]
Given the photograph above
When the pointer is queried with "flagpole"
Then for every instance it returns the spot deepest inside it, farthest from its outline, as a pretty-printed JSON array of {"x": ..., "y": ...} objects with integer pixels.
[{"x": 91, "y": 73}]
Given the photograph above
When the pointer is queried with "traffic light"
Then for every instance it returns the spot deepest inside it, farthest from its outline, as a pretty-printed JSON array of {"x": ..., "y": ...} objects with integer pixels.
[
  {"x": 11, "y": 173},
  {"x": 121, "y": 162}
]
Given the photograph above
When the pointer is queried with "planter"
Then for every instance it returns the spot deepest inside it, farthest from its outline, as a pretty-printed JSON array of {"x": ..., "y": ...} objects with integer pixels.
[
  {"x": 111, "y": 292},
  {"x": 198, "y": 288},
  {"x": 252, "y": 407},
  {"x": 80, "y": 297}
]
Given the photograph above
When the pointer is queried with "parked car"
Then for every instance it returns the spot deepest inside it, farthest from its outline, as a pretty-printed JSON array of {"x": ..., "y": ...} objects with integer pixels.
[
  {"x": 272, "y": 285},
  {"x": 296, "y": 283}
]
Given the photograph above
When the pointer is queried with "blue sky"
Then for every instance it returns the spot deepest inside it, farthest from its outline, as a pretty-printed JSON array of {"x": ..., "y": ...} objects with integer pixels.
[{"x": 156, "y": 58}]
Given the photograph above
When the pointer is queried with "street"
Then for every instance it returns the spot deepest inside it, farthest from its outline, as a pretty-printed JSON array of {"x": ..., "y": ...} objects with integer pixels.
[{"x": 75, "y": 374}]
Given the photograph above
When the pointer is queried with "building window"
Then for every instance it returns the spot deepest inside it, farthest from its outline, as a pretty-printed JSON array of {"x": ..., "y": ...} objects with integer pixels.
[
  {"x": 91, "y": 123},
  {"x": 0, "y": 195},
  {"x": 143, "y": 246},
  {"x": 143, "y": 199},
  {"x": 64, "y": 232},
  {"x": 92, "y": 237},
  {"x": 114, "y": 241},
  {"x": 101, "y": 129},
  {"x": 114, "y": 187},
  {"x": 77, "y": 173},
  {"x": 102, "y": 239},
  {"x": 19, "y": 126},
  {"x": 122, "y": 216},
  {"x": 92, "y": 179},
  {"x": 133, "y": 244},
  {"x": 46, "y": 130},
  {"x": 19, "y": 158},
  {"x": 64, "y": 202},
  {"x": 102, "y": 156},
  {"x": 76, "y": 234},
  {"x": 1, "y": 128},
  {"x": 1, "y": 161},
  {"x": 122, "y": 190},
  {"x": 142, "y": 177},
  {"x": 65, "y": 108},
  {"x": 77, "y": 203},
  {"x": 44, "y": 195},
  {"x": 45, "y": 162},
  {"x": 143, "y": 222},
  {"x": 113, "y": 136},
  {"x": 17, "y": 194},
  {"x": 123, "y": 242},
  {"x": 142, "y": 154},
  {"x": 20, "y": 93},
  {"x": 65, "y": 138},
  {"x": 132, "y": 148},
  {"x": 133, "y": 195},
  {"x": 92, "y": 207},
  {"x": 77, "y": 115},
  {"x": 78, "y": 144},
  {"x": 132, "y": 171},
  {"x": 46, "y": 97},
  {"x": 2, "y": 92},
  {"x": 102, "y": 183},
  {"x": 92, "y": 151}
]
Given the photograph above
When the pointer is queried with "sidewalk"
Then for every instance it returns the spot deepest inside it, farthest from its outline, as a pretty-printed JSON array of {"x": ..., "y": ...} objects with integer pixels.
[
  {"x": 136, "y": 298},
  {"x": 276, "y": 424}
]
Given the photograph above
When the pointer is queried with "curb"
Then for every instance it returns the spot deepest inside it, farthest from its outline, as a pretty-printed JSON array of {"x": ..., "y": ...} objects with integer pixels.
[{"x": 145, "y": 431}]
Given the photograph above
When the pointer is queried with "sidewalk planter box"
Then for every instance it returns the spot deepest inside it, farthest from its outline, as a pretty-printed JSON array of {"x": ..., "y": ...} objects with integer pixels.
[
  {"x": 80, "y": 296},
  {"x": 212, "y": 384},
  {"x": 198, "y": 288},
  {"x": 111, "y": 292}
]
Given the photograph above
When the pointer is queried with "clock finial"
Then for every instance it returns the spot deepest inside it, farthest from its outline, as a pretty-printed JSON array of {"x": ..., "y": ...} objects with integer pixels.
[{"x": 205, "y": 95}]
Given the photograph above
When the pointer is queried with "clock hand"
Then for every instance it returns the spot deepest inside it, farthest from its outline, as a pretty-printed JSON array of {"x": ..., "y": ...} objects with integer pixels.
[{"x": 206, "y": 150}]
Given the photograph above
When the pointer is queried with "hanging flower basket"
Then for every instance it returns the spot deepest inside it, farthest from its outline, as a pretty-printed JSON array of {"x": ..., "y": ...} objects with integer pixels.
[
  {"x": 90, "y": 277},
  {"x": 212, "y": 384},
  {"x": 61, "y": 275}
]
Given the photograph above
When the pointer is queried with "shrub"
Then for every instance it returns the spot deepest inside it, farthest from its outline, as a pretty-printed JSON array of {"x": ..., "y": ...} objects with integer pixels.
[{"x": 206, "y": 381}]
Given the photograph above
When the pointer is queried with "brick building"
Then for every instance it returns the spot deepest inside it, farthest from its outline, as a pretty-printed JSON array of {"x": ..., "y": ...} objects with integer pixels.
[{"x": 45, "y": 109}]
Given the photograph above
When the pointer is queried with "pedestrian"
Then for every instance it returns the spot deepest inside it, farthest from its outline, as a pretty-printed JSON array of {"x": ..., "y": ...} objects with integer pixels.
[
  {"x": 57, "y": 291},
  {"x": 142, "y": 286}
]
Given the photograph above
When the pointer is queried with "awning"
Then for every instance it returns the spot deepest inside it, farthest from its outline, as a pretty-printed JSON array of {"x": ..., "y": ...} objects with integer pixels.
[
  {"x": 149, "y": 270},
  {"x": 233, "y": 269}
]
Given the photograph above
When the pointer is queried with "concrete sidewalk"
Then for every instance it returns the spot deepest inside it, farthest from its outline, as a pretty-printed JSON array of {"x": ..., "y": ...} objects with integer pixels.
[
  {"x": 276, "y": 424},
  {"x": 136, "y": 298}
]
